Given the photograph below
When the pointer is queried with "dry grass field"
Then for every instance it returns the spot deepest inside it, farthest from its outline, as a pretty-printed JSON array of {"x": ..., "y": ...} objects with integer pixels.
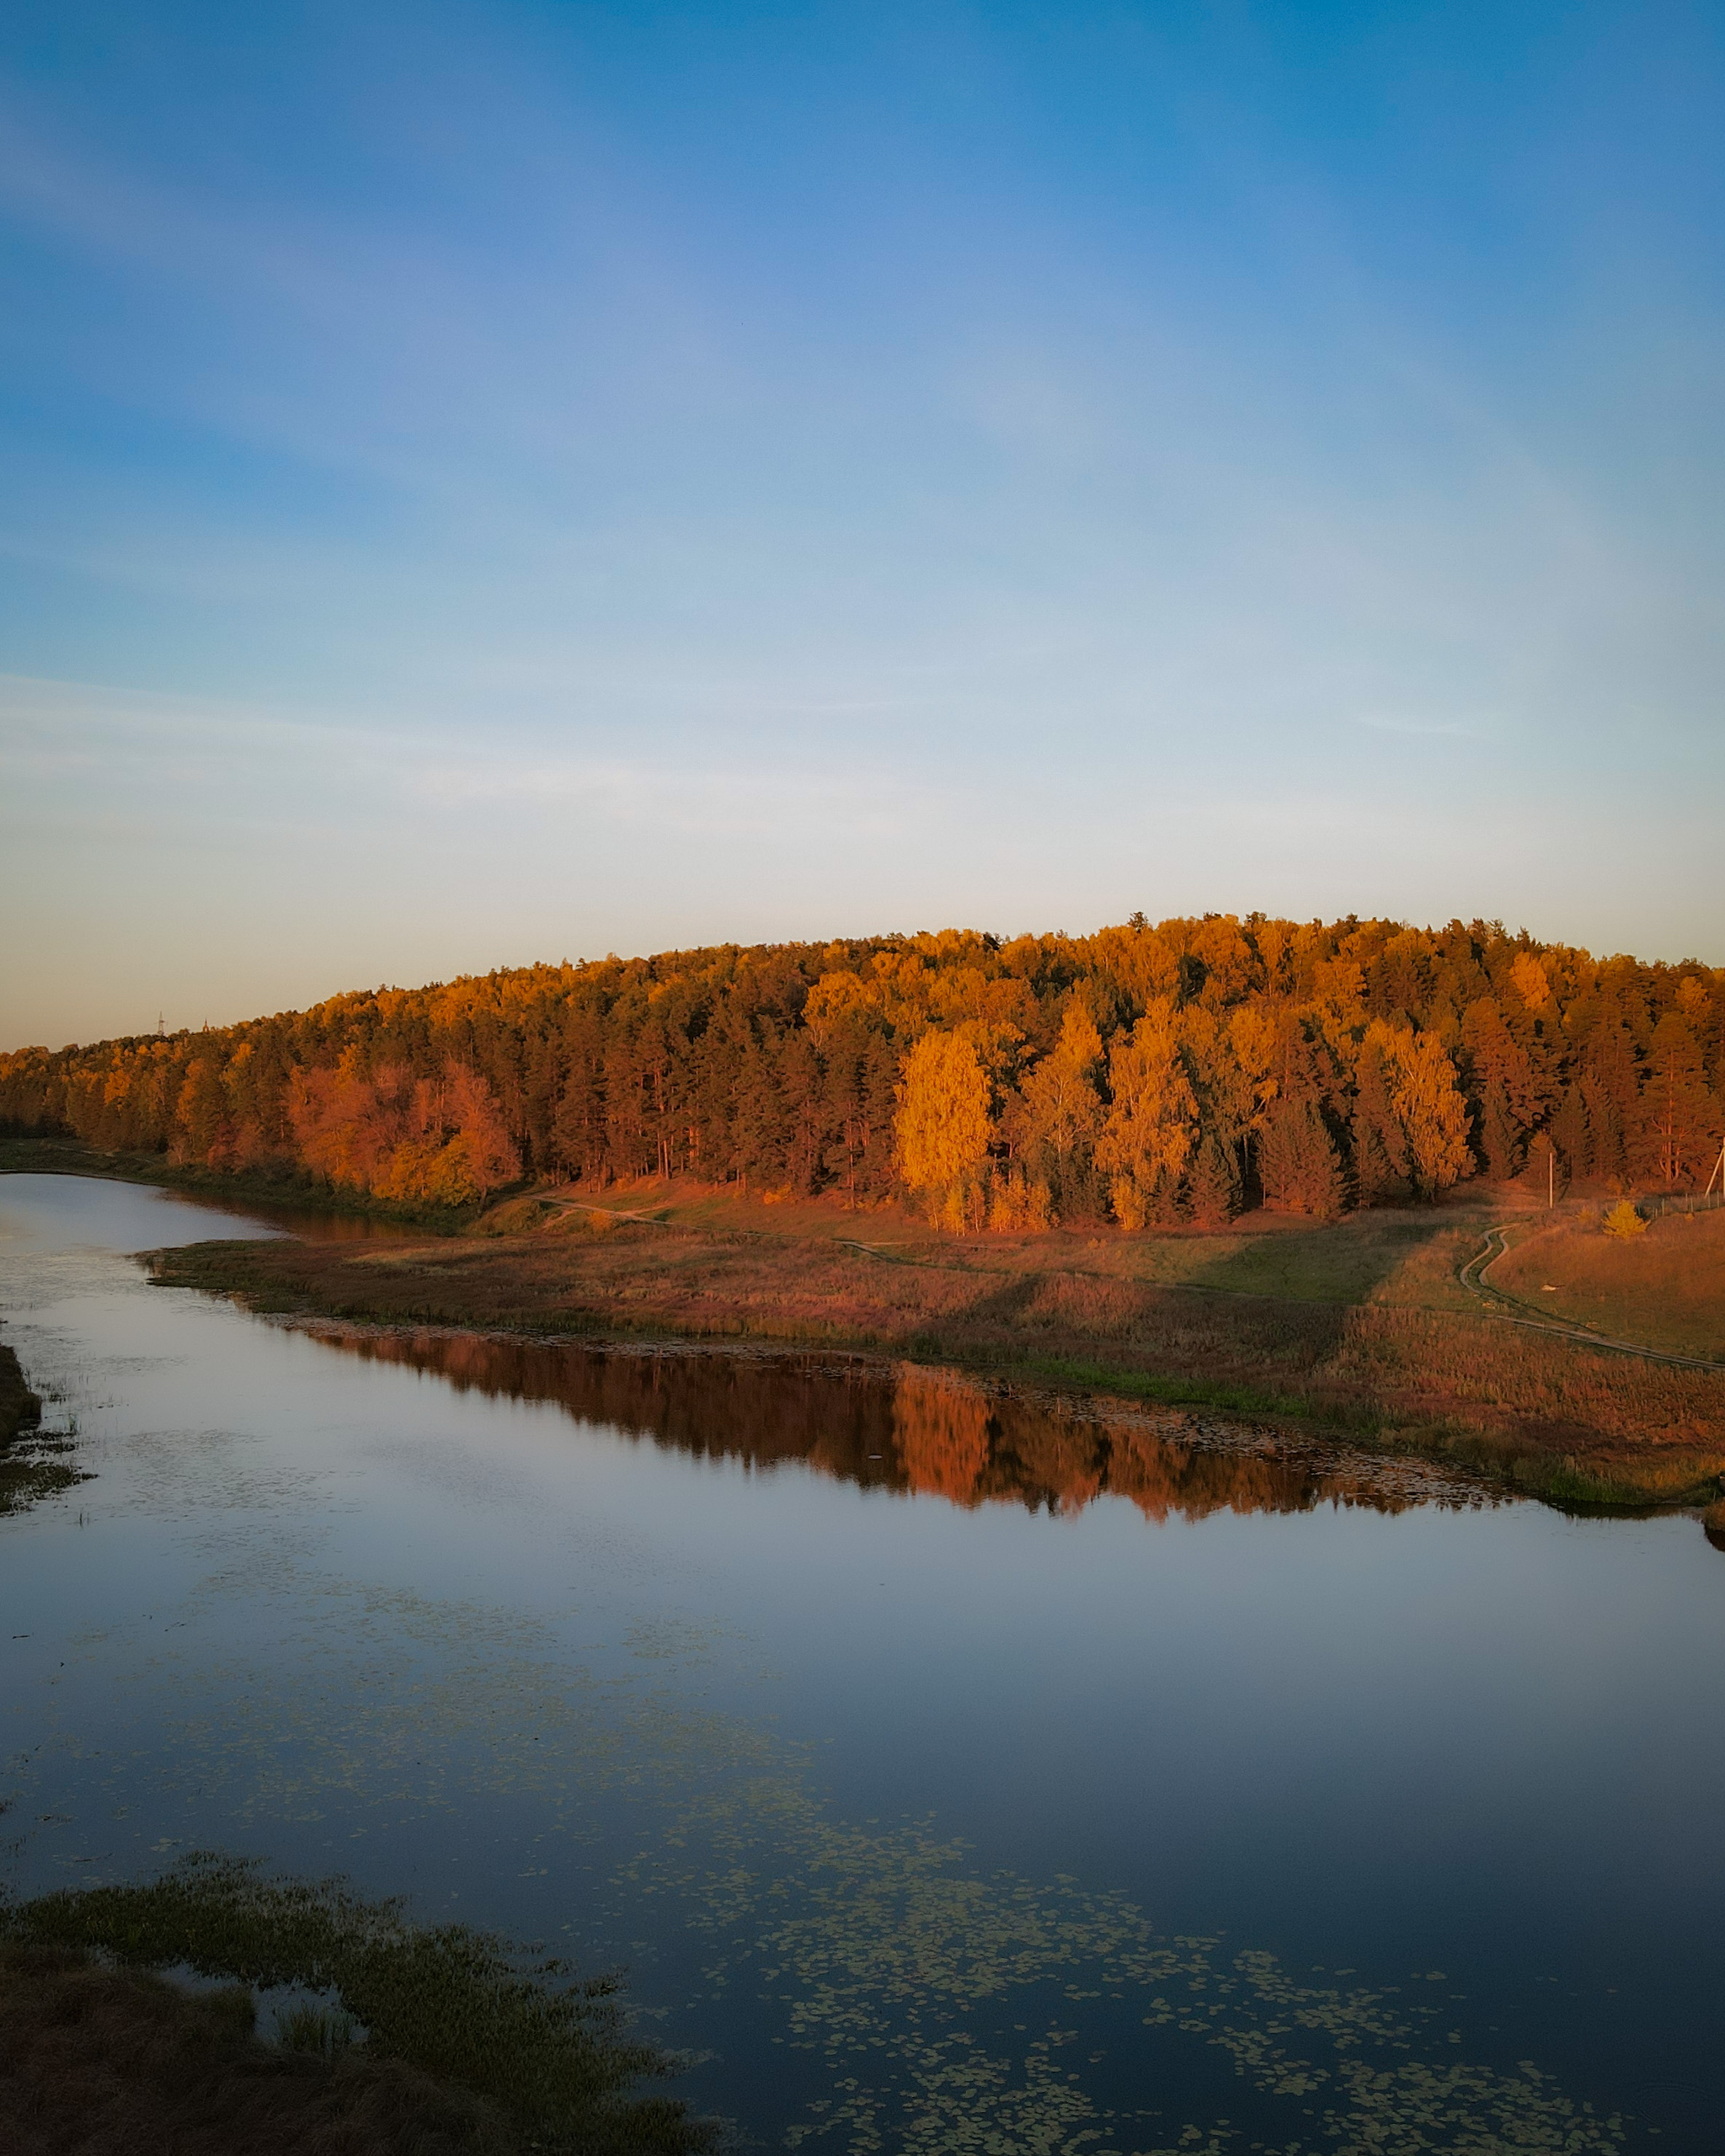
[{"x": 1665, "y": 1288}]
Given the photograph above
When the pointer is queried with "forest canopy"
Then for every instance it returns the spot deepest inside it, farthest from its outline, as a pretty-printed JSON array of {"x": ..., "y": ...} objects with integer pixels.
[{"x": 1147, "y": 1074}]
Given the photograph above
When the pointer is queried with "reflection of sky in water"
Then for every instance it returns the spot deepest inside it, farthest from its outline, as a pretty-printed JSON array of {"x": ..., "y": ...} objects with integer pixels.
[{"x": 868, "y": 1786}]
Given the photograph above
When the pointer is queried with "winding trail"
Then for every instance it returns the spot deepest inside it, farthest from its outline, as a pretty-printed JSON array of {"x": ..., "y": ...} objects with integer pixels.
[
  {"x": 1496, "y": 1245},
  {"x": 645, "y": 1218}
]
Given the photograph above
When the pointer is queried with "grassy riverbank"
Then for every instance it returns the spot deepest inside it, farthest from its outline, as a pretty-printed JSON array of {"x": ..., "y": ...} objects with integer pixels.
[
  {"x": 417, "y": 2041},
  {"x": 1362, "y": 1328}
]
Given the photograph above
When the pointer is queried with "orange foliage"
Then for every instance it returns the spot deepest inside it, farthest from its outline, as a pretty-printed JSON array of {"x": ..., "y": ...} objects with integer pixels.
[
  {"x": 1185, "y": 1070},
  {"x": 1152, "y": 1128},
  {"x": 436, "y": 1141},
  {"x": 943, "y": 1126}
]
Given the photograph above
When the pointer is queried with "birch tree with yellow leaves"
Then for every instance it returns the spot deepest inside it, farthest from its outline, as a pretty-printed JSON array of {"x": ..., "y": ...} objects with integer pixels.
[
  {"x": 1427, "y": 1103},
  {"x": 1152, "y": 1127},
  {"x": 1051, "y": 1124},
  {"x": 944, "y": 1129}
]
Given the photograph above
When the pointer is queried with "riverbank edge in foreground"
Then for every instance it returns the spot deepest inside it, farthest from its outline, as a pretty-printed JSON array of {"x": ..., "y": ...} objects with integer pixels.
[
  {"x": 1538, "y": 1412},
  {"x": 409, "y": 2039}
]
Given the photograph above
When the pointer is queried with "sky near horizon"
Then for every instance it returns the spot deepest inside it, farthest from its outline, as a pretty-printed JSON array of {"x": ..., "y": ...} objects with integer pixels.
[{"x": 482, "y": 484}]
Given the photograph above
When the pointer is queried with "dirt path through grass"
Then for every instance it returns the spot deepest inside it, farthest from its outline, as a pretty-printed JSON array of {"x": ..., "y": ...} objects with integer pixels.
[{"x": 1496, "y": 1245}]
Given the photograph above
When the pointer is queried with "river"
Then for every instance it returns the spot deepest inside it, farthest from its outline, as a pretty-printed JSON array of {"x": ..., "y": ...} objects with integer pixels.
[{"x": 947, "y": 1771}]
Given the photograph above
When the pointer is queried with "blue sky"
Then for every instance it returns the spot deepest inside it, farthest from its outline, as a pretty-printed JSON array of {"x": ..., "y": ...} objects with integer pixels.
[{"x": 483, "y": 483}]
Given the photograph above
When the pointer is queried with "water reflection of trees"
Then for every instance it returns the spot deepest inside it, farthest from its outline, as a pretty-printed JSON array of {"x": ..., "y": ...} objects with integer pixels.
[{"x": 903, "y": 1427}]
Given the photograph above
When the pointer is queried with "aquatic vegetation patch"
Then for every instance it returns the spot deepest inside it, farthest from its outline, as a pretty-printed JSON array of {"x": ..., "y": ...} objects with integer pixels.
[
  {"x": 908, "y": 1974},
  {"x": 916, "y": 2002},
  {"x": 919, "y": 2003},
  {"x": 31, "y": 1476},
  {"x": 552, "y": 2050},
  {"x": 33, "y": 1464}
]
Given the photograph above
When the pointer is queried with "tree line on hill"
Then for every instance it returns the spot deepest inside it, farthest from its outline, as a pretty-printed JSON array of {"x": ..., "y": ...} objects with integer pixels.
[{"x": 1147, "y": 1074}]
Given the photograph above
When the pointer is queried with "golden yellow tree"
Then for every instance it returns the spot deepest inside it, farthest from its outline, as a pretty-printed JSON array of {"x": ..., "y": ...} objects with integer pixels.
[
  {"x": 1051, "y": 1125},
  {"x": 1427, "y": 1104},
  {"x": 1624, "y": 1222},
  {"x": 1063, "y": 1108},
  {"x": 202, "y": 1115},
  {"x": 942, "y": 1127},
  {"x": 1021, "y": 1204},
  {"x": 1533, "y": 983},
  {"x": 1152, "y": 1126}
]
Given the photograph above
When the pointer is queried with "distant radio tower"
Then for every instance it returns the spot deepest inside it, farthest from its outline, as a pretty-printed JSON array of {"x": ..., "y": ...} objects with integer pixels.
[{"x": 161, "y": 1026}]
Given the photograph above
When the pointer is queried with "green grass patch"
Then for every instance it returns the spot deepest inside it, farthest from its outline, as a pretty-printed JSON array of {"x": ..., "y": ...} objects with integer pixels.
[
  {"x": 1200, "y": 1392},
  {"x": 1576, "y": 1490},
  {"x": 554, "y": 2050}
]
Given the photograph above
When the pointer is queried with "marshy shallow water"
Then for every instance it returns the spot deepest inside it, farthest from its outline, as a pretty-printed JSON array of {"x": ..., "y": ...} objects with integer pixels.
[{"x": 949, "y": 1770}]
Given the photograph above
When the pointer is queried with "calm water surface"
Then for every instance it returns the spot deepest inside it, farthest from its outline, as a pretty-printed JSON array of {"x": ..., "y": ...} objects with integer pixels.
[{"x": 947, "y": 1773}]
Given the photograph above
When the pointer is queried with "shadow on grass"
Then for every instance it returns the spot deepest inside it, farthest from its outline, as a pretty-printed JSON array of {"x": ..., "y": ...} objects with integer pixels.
[{"x": 1342, "y": 1263}]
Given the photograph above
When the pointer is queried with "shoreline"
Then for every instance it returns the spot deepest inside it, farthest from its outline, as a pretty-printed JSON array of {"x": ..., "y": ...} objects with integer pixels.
[
  {"x": 669, "y": 1296},
  {"x": 230, "y": 1191},
  {"x": 1371, "y": 1333},
  {"x": 1323, "y": 1449}
]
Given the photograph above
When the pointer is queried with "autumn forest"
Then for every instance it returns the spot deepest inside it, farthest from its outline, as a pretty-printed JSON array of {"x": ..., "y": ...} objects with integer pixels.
[{"x": 1145, "y": 1075}]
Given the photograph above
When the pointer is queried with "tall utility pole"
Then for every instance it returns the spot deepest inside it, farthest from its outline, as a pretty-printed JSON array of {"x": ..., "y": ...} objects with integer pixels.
[
  {"x": 1718, "y": 1174},
  {"x": 1551, "y": 1176}
]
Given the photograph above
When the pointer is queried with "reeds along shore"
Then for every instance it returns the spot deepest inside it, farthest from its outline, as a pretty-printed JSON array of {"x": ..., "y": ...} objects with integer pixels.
[{"x": 1187, "y": 1071}]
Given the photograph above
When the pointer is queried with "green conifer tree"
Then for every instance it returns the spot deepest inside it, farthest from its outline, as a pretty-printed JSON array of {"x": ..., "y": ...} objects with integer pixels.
[
  {"x": 1380, "y": 1164},
  {"x": 1298, "y": 1165}
]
